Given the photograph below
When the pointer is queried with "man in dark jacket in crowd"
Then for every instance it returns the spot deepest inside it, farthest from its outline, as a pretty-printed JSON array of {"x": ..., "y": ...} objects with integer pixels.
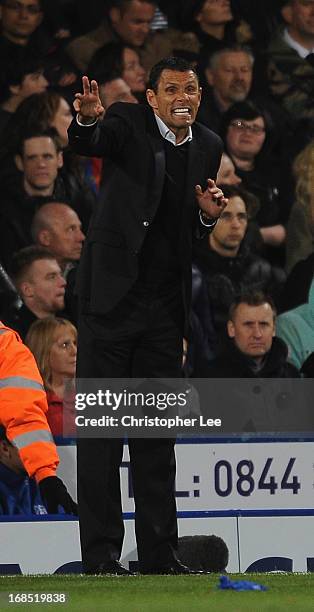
[
  {"x": 253, "y": 351},
  {"x": 39, "y": 161},
  {"x": 224, "y": 265}
]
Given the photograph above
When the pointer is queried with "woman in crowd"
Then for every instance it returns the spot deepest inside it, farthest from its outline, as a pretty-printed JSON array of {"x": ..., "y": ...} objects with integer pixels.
[
  {"x": 119, "y": 60},
  {"x": 53, "y": 344}
]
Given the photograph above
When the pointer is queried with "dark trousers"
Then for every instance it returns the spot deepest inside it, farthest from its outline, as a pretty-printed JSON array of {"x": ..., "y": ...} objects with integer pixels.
[{"x": 141, "y": 337}]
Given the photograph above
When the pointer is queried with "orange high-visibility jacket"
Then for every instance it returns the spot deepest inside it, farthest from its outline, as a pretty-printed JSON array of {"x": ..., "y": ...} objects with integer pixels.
[{"x": 23, "y": 406}]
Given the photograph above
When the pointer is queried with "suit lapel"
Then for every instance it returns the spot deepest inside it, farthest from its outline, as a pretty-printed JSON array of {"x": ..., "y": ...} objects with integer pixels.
[
  {"x": 195, "y": 170},
  {"x": 158, "y": 150}
]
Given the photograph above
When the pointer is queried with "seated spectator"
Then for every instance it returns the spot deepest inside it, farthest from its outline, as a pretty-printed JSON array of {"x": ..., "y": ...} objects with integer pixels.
[
  {"x": 53, "y": 344},
  {"x": 226, "y": 79},
  {"x": 40, "y": 284},
  {"x": 18, "y": 82},
  {"x": 111, "y": 89},
  {"x": 206, "y": 553},
  {"x": 57, "y": 228},
  {"x": 39, "y": 161},
  {"x": 227, "y": 173},
  {"x": 224, "y": 265},
  {"x": 119, "y": 60},
  {"x": 296, "y": 328},
  {"x": 127, "y": 21},
  {"x": 248, "y": 140},
  {"x": 290, "y": 68},
  {"x": 253, "y": 350},
  {"x": 300, "y": 228},
  {"x": 19, "y": 494},
  {"x": 23, "y": 36}
]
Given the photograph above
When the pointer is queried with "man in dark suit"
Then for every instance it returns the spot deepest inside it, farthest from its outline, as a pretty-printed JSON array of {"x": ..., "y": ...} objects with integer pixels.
[{"x": 134, "y": 286}]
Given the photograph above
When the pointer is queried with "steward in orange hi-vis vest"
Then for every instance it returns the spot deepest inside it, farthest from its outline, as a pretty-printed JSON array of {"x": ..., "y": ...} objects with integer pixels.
[{"x": 23, "y": 407}]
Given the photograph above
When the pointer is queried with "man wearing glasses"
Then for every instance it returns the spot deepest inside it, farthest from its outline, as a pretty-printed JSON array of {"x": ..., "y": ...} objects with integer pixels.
[
  {"x": 19, "y": 20},
  {"x": 21, "y": 37}
]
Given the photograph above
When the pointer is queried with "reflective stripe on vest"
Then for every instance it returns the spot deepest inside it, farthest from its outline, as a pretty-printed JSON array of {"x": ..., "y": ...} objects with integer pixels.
[
  {"x": 39, "y": 435},
  {"x": 20, "y": 382},
  {"x": 3, "y": 331}
]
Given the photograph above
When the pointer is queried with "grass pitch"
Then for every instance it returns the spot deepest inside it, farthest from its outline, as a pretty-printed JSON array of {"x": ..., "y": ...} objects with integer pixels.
[{"x": 162, "y": 593}]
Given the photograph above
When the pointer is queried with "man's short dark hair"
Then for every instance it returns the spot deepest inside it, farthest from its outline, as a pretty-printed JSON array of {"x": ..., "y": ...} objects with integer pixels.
[
  {"x": 24, "y": 258},
  {"x": 251, "y": 298},
  {"x": 49, "y": 133},
  {"x": 178, "y": 64},
  {"x": 250, "y": 200}
]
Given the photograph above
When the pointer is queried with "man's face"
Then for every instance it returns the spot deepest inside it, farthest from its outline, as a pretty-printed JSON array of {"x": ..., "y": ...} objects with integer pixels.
[
  {"x": 45, "y": 286},
  {"x": 115, "y": 91},
  {"x": 40, "y": 163},
  {"x": 252, "y": 329},
  {"x": 299, "y": 15},
  {"x": 20, "y": 18},
  {"x": 133, "y": 72},
  {"x": 227, "y": 173},
  {"x": 231, "y": 79},
  {"x": 230, "y": 230},
  {"x": 245, "y": 138},
  {"x": 214, "y": 12},
  {"x": 177, "y": 99},
  {"x": 64, "y": 238},
  {"x": 133, "y": 24}
]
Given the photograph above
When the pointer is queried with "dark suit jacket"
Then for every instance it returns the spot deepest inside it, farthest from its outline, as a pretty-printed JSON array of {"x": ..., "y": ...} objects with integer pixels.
[{"x": 129, "y": 140}]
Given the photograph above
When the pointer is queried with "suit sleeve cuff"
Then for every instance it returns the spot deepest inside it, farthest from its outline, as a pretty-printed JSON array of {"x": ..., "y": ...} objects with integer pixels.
[
  {"x": 85, "y": 124},
  {"x": 207, "y": 222}
]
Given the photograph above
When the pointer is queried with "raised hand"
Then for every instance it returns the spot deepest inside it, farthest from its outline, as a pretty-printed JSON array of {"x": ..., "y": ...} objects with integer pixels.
[
  {"x": 88, "y": 104},
  {"x": 211, "y": 200}
]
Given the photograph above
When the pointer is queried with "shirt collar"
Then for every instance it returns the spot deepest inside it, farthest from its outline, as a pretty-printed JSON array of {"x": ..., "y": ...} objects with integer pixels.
[
  {"x": 167, "y": 134},
  {"x": 302, "y": 52}
]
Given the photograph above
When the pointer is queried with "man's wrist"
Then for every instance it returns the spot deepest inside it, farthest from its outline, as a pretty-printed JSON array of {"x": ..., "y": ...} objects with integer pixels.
[
  {"x": 206, "y": 220},
  {"x": 84, "y": 122}
]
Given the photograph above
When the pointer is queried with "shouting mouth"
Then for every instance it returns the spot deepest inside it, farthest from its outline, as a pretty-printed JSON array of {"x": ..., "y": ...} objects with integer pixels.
[{"x": 182, "y": 112}]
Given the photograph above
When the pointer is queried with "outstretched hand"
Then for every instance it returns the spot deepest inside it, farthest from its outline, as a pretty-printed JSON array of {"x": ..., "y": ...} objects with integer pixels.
[
  {"x": 88, "y": 103},
  {"x": 211, "y": 200}
]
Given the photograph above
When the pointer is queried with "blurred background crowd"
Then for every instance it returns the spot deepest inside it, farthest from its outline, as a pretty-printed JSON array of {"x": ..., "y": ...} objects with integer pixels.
[{"x": 255, "y": 61}]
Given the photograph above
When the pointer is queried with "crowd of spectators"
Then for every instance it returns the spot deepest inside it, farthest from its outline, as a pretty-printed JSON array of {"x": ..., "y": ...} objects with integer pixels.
[{"x": 256, "y": 67}]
